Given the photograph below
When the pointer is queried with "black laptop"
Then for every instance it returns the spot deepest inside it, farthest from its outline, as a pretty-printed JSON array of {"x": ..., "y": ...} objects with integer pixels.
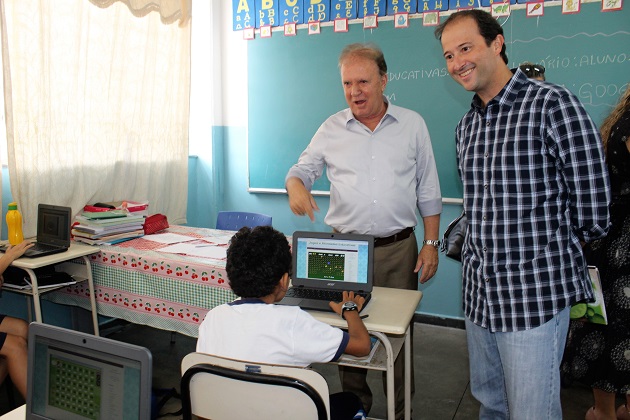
[
  {"x": 53, "y": 231},
  {"x": 325, "y": 264}
]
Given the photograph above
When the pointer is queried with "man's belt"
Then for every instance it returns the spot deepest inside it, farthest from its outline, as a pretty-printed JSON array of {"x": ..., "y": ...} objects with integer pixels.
[{"x": 403, "y": 234}]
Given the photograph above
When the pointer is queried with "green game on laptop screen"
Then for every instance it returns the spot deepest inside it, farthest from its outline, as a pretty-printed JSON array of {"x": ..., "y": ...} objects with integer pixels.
[{"x": 73, "y": 380}]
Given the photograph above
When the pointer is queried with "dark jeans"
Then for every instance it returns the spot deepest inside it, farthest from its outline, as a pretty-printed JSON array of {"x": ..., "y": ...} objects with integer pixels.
[
  {"x": 393, "y": 267},
  {"x": 344, "y": 406}
]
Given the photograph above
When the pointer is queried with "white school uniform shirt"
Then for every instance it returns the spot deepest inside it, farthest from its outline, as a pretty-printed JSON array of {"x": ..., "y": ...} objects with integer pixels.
[{"x": 252, "y": 330}]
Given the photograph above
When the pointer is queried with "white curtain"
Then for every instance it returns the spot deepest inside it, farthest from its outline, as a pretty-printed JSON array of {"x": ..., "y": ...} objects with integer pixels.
[
  {"x": 97, "y": 106},
  {"x": 169, "y": 10}
]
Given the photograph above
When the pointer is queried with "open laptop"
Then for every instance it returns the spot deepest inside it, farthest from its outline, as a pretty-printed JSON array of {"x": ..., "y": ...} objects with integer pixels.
[
  {"x": 325, "y": 265},
  {"x": 53, "y": 231},
  {"x": 74, "y": 375}
]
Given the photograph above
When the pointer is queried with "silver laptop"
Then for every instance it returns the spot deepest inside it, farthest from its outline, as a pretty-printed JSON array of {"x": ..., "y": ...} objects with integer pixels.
[
  {"x": 53, "y": 231},
  {"x": 325, "y": 264},
  {"x": 74, "y": 375}
]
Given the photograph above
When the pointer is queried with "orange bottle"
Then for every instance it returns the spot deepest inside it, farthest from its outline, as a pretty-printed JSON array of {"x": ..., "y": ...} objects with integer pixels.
[{"x": 14, "y": 223}]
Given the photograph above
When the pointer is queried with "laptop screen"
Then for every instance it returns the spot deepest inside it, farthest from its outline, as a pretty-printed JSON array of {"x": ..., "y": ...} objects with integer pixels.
[
  {"x": 73, "y": 375},
  {"x": 53, "y": 224},
  {"x": 334, "y": 257}
]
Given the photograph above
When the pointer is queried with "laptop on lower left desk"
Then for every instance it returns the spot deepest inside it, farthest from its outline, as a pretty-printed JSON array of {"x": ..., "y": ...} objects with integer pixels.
[{"x": 74, "y": 375}]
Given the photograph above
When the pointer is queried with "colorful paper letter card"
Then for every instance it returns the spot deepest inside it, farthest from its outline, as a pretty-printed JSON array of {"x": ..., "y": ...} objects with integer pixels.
[
  {"x": 291, "y": 11},
  {"x": 265, "y": 31},
  {"x": 313, "y": 28},
  {"x": 535, "y": 9},
  {"x": 491, "y": 3},
  {"x": 248, "y": 33},
  {"x": 341, "y": 9},
  {"x": 317, "y": 10},
  {"x": 243, "y": 13},
  {"x": 464, "y": 4},
  {"x": 290, "y": 29},
  {"x": 370, "y": 22},
  {"x": 431, "y": 19},
  {"x": 401, "y": 6},
  {"x": 500, "y": 9},
  {"x": 432, "y": 5},
  {"x": 267, "y": 12},
  {"x": 401, "y": 20},
  {"x": 372, "y": 7},
  {"x": 570, "y": 6},
  {"x": 341, "y": 25},
  {"x": 610, "y": 5}
]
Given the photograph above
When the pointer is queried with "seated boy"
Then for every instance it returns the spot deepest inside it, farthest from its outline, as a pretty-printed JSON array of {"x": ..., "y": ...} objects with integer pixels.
[
  {"x": 13, "y": 331},
  {"x": 253, "y": 329}
]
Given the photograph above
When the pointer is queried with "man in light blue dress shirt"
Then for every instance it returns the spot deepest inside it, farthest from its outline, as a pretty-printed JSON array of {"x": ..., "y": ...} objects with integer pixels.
[{"x": 381, "y": 167}]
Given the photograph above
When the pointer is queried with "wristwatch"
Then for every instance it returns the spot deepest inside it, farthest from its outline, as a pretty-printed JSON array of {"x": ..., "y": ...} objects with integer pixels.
[
  {"x": 348, "y": 306},
  {"x": 432, "y": 242}
]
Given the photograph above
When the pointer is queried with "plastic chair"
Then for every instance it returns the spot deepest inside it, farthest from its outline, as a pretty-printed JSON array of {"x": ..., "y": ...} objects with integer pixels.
[
  {"x": 234, "y": 220},
  {"x": 224, "y": 389}
]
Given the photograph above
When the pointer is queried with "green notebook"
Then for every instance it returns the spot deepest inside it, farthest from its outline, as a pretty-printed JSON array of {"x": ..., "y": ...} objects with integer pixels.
[
  {"x": 109, "y": 214},
  {"x": 596, "y": 311}
]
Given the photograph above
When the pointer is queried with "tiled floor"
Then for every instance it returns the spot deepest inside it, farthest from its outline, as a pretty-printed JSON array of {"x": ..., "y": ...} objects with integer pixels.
[{"x": 441, "y": 367}]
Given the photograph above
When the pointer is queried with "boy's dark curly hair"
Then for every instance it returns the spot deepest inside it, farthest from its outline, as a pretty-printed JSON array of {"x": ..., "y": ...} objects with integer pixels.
[{"x": 256, "y": 260}]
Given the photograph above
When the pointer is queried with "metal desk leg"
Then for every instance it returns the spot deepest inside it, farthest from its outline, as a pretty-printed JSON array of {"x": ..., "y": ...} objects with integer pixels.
[
  {"x": 391, "y": 400},
  {"x": 88, "y": 268},
  {"x": 408, "y": 373},
  {"x": 35, "y": 294},
  {"x": 29, "y": 308}
]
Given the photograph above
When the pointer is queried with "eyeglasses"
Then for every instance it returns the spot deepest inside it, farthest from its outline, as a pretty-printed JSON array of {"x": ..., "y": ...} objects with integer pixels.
[{"x": 532, "y": 70}]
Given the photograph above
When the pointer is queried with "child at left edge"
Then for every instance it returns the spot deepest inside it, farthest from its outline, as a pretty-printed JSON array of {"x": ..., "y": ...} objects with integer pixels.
[{"x": 13, "y": 331}]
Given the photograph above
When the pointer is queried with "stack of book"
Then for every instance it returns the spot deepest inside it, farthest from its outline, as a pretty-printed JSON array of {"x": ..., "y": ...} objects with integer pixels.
[{"x": 107, "y": 227}]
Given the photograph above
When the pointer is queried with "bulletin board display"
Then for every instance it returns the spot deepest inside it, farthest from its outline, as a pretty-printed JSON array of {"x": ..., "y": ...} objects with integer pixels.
[{"x": 294, "y": 82}]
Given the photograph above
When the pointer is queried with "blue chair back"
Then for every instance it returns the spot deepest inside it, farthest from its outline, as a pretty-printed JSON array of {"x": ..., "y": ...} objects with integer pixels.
[{"x": 234, "y": 220}]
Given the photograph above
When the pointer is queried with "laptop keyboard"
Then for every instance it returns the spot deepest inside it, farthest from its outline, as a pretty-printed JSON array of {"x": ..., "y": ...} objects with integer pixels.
[
  {"x": 327, "y": 295},
  {"x": 39, "y": 247}
]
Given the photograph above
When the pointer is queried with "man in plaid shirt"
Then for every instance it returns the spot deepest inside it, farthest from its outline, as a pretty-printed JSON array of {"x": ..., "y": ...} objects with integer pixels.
[{"x": 535, "y": 189}]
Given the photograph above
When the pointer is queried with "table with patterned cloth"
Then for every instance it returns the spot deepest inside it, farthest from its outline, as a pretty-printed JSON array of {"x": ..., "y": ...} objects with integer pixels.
[{"x": 136, "y": 282}]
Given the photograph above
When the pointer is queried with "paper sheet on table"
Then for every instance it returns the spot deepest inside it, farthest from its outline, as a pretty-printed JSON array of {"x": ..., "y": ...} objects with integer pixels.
[
  {"x": 198, "y": 250},
  {"x": 168, "y": 238},
  {"x": 219, "y": 239}
]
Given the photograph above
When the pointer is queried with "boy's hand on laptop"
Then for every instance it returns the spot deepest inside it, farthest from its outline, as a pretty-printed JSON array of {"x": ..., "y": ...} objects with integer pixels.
[
  {"x": 348, "y": 297},
  {"x": 14, "y": 252}
]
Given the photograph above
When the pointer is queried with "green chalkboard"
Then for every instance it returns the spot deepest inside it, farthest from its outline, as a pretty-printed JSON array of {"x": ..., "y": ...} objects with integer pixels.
[{"x": 294, "y": 82}]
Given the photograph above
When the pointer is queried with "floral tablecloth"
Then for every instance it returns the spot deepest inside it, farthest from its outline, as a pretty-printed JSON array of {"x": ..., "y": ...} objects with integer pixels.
[{"x": 134, "y": 281}]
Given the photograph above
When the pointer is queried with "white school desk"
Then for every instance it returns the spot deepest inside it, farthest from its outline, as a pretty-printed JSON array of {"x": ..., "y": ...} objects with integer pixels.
[
  {"x": 74, "y": 261},
  {"x": 16, "y": 414},
  {"x": 389, "y": 316}
]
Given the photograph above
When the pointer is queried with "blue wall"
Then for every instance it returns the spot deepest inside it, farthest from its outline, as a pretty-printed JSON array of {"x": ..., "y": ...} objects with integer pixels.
[{"x": 219, "y": 182}]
